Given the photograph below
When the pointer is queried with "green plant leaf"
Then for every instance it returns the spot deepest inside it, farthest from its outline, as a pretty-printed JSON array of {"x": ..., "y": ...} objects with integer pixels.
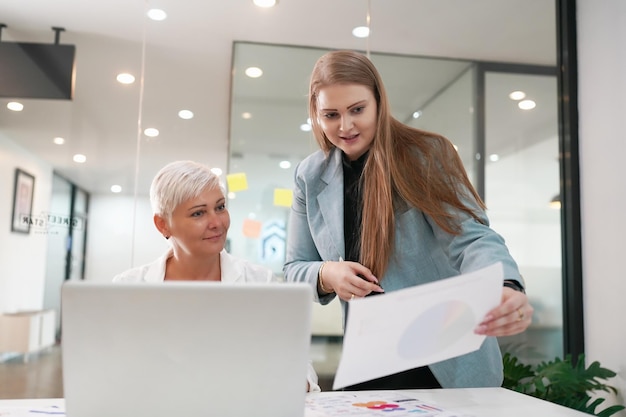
[
  {"x": 515, "y": 373},
  {"x": 609, "y": 411},
  {"x": 561, "y": 381}
]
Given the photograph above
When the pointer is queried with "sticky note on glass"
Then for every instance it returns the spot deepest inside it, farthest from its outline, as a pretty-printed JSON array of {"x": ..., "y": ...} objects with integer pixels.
[
  {"x": 283, "y": 197},
  {"x": 237, "y": 182},
  {"x": 251, "y": 228}
]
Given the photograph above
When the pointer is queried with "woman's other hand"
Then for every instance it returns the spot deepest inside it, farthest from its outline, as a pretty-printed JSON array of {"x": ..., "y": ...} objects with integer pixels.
[{"x": 512, "y": 316}]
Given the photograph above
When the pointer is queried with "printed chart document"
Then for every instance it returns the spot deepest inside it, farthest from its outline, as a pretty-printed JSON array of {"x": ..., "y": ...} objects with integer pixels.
[
  {"x": 372, "y": 404},
  {"x": 416, "y": 326}
]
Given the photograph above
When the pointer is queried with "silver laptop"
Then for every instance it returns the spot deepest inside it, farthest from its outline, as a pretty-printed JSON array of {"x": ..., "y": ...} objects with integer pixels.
[{"x": 185, "y": 349}]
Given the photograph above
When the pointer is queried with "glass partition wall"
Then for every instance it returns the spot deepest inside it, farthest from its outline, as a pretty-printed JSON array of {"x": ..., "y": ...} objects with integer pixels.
[
  {"x": 509, "y": 148},
  {"x": 521, "y": 148}
]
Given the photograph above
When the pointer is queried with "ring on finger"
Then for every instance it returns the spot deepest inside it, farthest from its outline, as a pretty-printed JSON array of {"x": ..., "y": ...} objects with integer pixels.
[
  {"x": 352, "y": 297},
  {"x": 520, "y": 315}
]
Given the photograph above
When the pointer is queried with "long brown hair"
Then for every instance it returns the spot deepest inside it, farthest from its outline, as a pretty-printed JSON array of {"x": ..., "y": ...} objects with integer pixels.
[{"x": 405, "y": 166}]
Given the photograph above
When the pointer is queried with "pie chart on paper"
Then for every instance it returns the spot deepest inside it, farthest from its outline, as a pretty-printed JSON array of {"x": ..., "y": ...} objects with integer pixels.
[{"x": 436, "y": 329}]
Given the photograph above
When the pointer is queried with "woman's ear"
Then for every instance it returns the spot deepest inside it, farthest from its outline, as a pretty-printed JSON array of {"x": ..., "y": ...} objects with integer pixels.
[{"x": 161, "y": 225}]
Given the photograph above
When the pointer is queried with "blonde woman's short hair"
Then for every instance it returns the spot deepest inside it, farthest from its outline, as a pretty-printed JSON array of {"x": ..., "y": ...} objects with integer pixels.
[{"x": 180, "y": 181}]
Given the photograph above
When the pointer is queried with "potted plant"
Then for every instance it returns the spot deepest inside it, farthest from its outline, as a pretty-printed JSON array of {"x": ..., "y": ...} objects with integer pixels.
[{"x": 562, "y": 381}]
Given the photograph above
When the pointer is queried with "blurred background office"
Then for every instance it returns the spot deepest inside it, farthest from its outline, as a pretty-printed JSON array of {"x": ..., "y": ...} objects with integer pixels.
[{"x": 492, "y": 75}]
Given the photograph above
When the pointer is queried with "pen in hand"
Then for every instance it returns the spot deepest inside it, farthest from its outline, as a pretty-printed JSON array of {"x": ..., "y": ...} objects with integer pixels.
[{"x": 365, "y": 279}]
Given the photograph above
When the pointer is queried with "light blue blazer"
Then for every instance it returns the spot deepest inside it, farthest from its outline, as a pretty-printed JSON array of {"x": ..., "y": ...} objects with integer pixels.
[{"x": 423, "y": 253}]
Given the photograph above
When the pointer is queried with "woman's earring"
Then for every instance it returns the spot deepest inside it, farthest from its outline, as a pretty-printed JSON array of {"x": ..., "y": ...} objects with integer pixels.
[{"x": 166, "y": 237}]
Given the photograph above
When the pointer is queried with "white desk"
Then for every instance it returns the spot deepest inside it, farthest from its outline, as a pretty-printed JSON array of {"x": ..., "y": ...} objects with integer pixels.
[{"x": 478, "y": 402}]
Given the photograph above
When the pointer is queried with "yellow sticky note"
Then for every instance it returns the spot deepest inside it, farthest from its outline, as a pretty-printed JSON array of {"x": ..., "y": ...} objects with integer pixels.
[
  {"x": 237, "y": 182},
  {"x": 283, "y": 197}
]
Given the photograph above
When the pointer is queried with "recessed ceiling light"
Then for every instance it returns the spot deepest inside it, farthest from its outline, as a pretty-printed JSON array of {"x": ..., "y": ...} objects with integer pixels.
[
  {"x": 265, "y": 3},
  {"x": 157, "y": 14},
  {"x": 15, "y": 106},
  {"x": 526, "y": 104},
  {"x": 246, "y": 115},
  {"x": 417, "y": 114},
  {"x": 185, "y": 114},
  {"x": 151, "y": 132},
  {"x": 285, "y": 164},
  {"x": 361, "y": 32},
  {"x": 306, "y": 127},
  {"x": 58, "y": 140},
  {"x": 231, "y": 195},
  {"x": 116, "y": 188},
  {"x": 125, "y": 78},
  {"x": 79, "y": 158},
  {"x": 217, "y": 171},
  {"x": 494, "y": 157},
  {"x": 517, "y": 95},
  {"x": 254, "y": 72}
]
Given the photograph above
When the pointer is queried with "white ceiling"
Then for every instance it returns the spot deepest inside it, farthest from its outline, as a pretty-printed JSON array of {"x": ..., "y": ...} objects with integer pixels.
[{"x": 187, "y": 63}]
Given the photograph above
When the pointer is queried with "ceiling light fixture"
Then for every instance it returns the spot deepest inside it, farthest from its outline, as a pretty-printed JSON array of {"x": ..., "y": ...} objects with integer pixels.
[
  {"x": 217, "y": 171},
  {"x": 517, "y": 95},
  {"x": 265, "y": 3},
  {"x": 526, "y": 104},
  {"x": 494, "y": 157},
  {"x": 254, "y": 72},
  {"x": 246, "y": 115},
  {"x": 284, "y": 164},
  {"x": 125, "y": 78},
  {"x": 157, "y": 14},
  {"x": 151, "y": 132},
  {"x": 116, "y": 188},
  {"x": 58, "y": 140},
  {"x": 79, "y": 158},
  {"x": 185, "y": 114},
  {"x": 361, "y": 32},
  {"x": 15, "y": 106}
]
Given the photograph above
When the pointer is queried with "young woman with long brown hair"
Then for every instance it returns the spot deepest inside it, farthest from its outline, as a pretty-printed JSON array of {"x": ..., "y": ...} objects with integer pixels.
[{"x": 385, "y": 205}]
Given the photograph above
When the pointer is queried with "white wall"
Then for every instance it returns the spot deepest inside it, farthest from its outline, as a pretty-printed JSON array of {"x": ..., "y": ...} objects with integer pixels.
[
  {"x": 111, "y": 247},
  {"x": 602, "y": 87},
  {"x": 22, "y": 256}
]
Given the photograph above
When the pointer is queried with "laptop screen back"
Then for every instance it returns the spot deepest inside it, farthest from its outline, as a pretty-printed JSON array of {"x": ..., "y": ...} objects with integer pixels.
[{"x": 185, "y": 348}]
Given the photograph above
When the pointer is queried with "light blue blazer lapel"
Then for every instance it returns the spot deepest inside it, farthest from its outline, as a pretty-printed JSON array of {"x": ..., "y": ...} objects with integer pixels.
[{"x": 330, "y": 200}]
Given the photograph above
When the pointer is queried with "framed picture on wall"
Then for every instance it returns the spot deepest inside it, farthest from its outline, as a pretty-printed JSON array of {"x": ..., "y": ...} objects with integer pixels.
[{"x": 23, "y": 192}]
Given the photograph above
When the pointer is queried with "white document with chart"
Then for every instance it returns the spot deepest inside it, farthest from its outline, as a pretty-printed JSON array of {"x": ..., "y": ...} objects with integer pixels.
[{"x": 416, "y": 326}]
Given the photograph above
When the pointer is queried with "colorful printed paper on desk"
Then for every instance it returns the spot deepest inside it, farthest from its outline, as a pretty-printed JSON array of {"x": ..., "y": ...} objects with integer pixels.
[
  {"x": 372, "y": 404},
  {"x": 416, "y": 326}
]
